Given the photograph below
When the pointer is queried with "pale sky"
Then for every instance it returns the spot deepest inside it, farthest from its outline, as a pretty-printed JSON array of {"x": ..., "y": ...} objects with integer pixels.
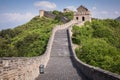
[{"x": 18, "y": 12}]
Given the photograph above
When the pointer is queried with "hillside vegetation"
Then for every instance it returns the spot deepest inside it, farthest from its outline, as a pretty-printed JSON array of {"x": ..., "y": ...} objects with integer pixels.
[
  {"x": 27, "y": 40},
  {"x": 99, "y": 44}
]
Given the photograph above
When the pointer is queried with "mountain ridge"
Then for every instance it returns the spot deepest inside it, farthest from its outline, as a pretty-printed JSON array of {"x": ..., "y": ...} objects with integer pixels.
[{"x": 118, "y": 18}]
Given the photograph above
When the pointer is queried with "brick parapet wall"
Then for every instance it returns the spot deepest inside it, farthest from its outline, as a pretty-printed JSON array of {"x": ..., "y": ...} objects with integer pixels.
[
  {"x": 93, "y": 73},
  {"x": 23, "y": 68}
]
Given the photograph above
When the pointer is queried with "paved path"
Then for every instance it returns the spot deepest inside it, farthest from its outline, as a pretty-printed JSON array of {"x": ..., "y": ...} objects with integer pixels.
[{"x": 60, "y": 66}]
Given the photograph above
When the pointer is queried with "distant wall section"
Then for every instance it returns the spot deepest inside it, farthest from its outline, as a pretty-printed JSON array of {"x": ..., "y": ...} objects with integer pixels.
[{"x": 47, "y": 14}]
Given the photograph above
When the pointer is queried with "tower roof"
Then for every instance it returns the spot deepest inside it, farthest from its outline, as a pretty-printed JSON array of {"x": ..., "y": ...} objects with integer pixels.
[{"x": 82, "y": 9}]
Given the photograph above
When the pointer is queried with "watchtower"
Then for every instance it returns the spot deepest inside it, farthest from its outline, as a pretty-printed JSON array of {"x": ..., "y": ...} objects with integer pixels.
[
  {"x": 41, "y": 13},
  {"x": 82, "y": 14}
]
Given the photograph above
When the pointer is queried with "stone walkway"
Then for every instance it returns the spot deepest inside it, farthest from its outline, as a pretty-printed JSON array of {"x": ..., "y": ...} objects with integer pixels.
[{"x": 60, "y": 66}]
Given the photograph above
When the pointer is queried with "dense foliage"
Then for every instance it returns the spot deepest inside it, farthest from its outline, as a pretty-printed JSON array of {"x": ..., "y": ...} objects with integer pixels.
[
  {"x": 27, "y": 40},
  {"x": 99, "y": 44}
]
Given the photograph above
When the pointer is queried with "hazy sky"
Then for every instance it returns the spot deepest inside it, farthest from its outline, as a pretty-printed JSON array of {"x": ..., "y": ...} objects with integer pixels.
[{"x": 17, "y": 12}]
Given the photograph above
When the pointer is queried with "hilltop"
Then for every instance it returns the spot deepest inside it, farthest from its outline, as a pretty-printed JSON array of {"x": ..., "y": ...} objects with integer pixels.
[{"x": 30, "y": 39}]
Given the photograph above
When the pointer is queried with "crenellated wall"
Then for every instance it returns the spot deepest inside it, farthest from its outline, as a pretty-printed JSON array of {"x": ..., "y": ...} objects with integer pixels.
[
  {"x": 23, "y": 68},
  {"x": 93, "y": 73}
]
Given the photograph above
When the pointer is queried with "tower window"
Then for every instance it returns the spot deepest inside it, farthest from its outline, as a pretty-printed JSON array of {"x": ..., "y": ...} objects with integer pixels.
[
  {"x": 83, "y": 18},
  {"x": 77, "y": 18}
]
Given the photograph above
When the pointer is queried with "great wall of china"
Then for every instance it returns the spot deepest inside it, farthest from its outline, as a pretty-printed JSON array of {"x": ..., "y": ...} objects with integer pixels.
[
  {"x": 23, "y": 68},
  {"x": 28, "y": 68}
]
